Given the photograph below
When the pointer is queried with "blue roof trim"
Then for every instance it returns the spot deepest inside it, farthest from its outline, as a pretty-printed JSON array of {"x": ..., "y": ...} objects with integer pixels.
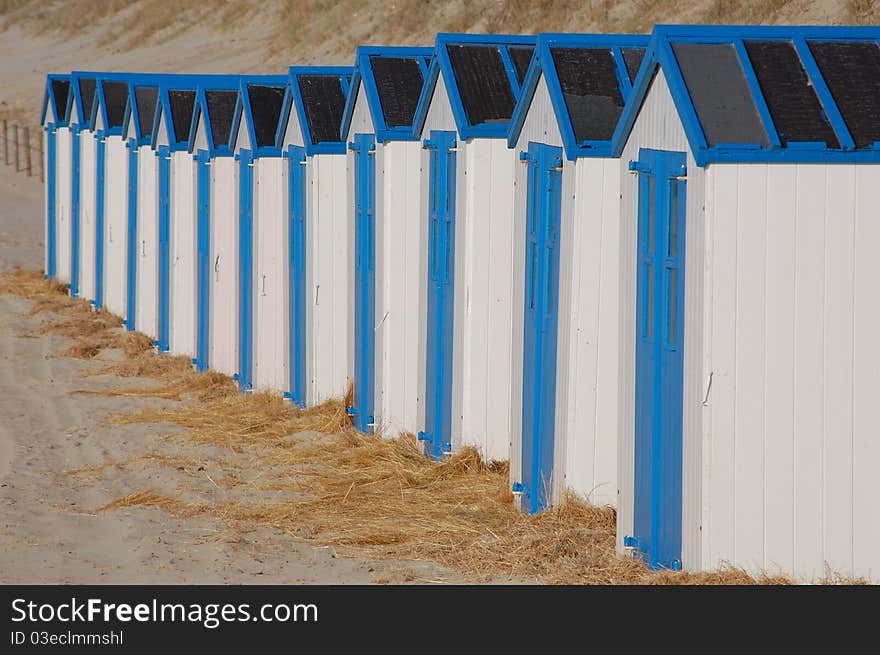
[
  {"x": 363, "y": 73},
  {"x": 243, "y": 109},
  {"x": 178, "y": 142},
  {"x": 59, "y": 114},
  {"x": 542, "y": 64},
  {"x": 293, "y": 98},
  {"x": 442, "y": 64},
  {"x": 660, "y": 55}
]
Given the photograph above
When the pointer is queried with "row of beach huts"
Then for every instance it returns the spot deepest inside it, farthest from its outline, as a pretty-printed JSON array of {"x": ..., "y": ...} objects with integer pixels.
[{"x": 640, "y": 268}]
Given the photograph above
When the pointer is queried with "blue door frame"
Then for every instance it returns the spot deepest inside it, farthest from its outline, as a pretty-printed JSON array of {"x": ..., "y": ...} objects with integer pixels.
[
  {"x": 131, "y": 271},
  {"x": 245, "y": 271},
  {"x": 441, "y": 289},
  {"x": 203, "y": 261},
  {"x": 362, "y": 410},
  {"x": 659, "y": 358},
  {"x": 544, "y": 195},
  {"x": 164, "y": 249},
  {"x": 296, "y": 180},
  {"x": 74, "y": 212},
  {"x": 98, "y": 302},
  {"x": 51, "y": 228}
]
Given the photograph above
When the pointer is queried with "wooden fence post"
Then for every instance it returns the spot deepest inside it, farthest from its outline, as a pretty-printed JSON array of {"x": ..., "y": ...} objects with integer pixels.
[
  {"x": 17, "y": 157},
  {"x": 5, "y": 142},
  {"x": 42, "y": 161},
  {"x": 27, "y": 151}
]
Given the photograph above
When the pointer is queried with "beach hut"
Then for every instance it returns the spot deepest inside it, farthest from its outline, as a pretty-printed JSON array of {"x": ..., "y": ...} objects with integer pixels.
[
  {"x": 143, "y": 208},
  {"x": 216, "y": 230},
  {"x": 386, "y": 240},
  {"x": 262, "y": 234},
  {"x": 56, "y": 164},
  {"x": 565, "y": 235},
  {"x": 750, "y": 366},
  {"x": 318, "y": 312},
  {"x": 467, "y": 195},
  {"x": 178, "y": 171},
  {"x": 84, "y": 148}
]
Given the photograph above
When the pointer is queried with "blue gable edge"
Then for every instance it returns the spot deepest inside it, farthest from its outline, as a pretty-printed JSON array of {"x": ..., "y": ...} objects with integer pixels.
[
  {"x": 293, "y": 98},
  {"x": 243, "y": 112}
]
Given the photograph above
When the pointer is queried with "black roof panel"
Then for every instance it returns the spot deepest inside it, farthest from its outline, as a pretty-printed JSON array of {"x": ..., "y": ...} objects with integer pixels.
[
  {"x": 399, "y": 83},
  {"x": 61, "y": 90},
  {"x": 852, "y": 73},
  {"x": 522, "y": 57},
  {"x": 266, "y": 102},
  {"x": 633, "y": 59},
  {"x": 591, "y": 90},
  {"x": 87, "y": 92},
  {"x": 482, "y": 83},
  {"x": 146, "y": 97},
  {"x": 115, "y": 97},
  {"x": 182, "y": 104},
  {"x": 221, "y": 108},
  {"x": 324, "y": 104}
]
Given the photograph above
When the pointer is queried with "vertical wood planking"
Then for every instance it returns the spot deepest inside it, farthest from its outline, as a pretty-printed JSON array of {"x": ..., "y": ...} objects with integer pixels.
[
  {"x": 224, "y": 296},
  {"x": 87, "y": 208}
]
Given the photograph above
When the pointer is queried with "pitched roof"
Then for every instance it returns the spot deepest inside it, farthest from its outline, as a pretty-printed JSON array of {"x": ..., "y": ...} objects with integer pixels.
[
  {"x": 589, "y": 78},
  {"x": 483, "y": 76},
  {"x": 318, "y": 95},
  {"x": 796, "y": 94},
  {"x": 55, "y": 99},
  {"x": 218, "y": 105},
  {"x": 176, "y": 106},
  {"x": 392, "y": 79},
  {"x": 259, "y": 104}
]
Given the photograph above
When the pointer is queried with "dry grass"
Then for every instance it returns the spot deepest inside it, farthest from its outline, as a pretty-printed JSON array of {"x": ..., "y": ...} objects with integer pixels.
[{"x": 366, "y": 495}]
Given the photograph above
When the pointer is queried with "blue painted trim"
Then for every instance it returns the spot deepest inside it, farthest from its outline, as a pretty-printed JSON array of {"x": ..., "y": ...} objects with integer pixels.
[
  {"x": 293, "y": 99},
  {"x": 297, "y": 265},
  {"x": 59, "y": 114},
  {"x": 364, "y": 74},
  {"x": 542, "y": 64},
  {"x": 98, "y": 302},
  {"x": 74, "y": 211},
  {"x": 51, "y": 205},
  {"x": 203, "y": 261},
  {"x": 164, "y": 263},
  {"x": 131, "y": 272},
  {"x": 246, "y": 271}
]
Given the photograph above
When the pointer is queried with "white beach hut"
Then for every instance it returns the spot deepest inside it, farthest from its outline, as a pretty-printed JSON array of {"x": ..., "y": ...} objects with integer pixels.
[
  {"x": 750, "y": 366},
  {"x": 565, "y": 224},
  {"x": 57, "y": 167},
  {"x": 387, "y": 241},
  {"x": 318, "y": 306},
  {"x": 467, "y": 200}
]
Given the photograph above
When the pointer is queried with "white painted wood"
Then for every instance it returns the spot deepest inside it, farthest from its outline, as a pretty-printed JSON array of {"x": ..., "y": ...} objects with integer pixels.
[
  {"x": 182, "y": 247},
  {"x": 88, "y": 147},
  {"x": 866, "y": 375},
  {"x": 147, "y": 287},
  {"x": 270, "y": 279},
  {"x": 224, "y": 266},
  {"x": 540, "y": 125},
  {"x": 115, "y": 225},
  {"x": 361, "y": 119},
  {"x": 293, "y": 135},
  {"x": 439, "y": 116},
  {"x": 162, "y": 130},
  {"x": 517, "y": 310},
  {"x": 201, "y": 140},
  {"x": 63, "y": 217},
  {"x": 45, "y": 150}
]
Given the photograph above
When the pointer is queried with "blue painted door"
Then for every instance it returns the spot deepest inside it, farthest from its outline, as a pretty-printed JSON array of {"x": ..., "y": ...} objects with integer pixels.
[
  {"x": 543, "y": 215},
  {"x": 659, "y": 357},
  {"x": 131, "y": 273},
  {"x": 74, "y": 212},
  {"x": 364, "y": 147},
  {"x": 203, "y": 261},
  {"x": 99, "y": 223},
  {"x": 441, "y": 277},
  {"x": 164, "y": 249},
  {"x": 51, "y": 207},
  {"x": 245, "y": 375},
  {"x": 296, "y": 180}
]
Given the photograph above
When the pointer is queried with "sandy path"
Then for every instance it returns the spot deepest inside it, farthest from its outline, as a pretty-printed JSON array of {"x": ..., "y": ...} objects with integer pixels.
[{"x": 49, "y": 532}]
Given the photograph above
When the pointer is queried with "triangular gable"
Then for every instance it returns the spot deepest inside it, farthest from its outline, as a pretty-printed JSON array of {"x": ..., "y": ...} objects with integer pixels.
[
  {"x": 55, "y": 101},
  {"x": 82, "y": 99},
  {"x": 257, "y": 116},
  {"x": 391, "y": 79},
  {"x": 588, "y": 79},
  {"x": 764, "y": 94},
  {"x": 112, "y": 96},
  {"x": 314, "y": 107},
  {"x": 482, "y": 76}
]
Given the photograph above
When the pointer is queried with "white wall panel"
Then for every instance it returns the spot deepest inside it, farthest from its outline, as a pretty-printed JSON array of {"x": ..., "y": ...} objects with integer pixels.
[
  {"x": 439, "y": 115},
  {"x": 115, "y": 225},
  {"x": 540, "y": 125},
  {"x": 224, "y": 266},
  {"x": 361, "y": 120},
  {"x": 183, "y": 254},
  {"x": 88, "y": 147},
  {"x": 63, "y": 216},
  {"x": 147, "y": 287}
]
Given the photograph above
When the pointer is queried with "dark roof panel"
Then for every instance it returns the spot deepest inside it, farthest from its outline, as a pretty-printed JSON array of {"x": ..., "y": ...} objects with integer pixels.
[
  {"x": 182, "y": 104},
  {"x": 60, "y": 89},
  {"x": 482, "y": 83},
  {"x": 266, "y": 102},
  {"x": 720, "y": 93},
  {"x": 87, "y": 92},
  {"x": 522, "y": 57},
  {"x": 221, "y": 108},
  {"x": 791, "y": 99},
  {"x": 146, "y": 97},
  {"x": 632, "y": 57},
  {"x": 852, "y": 73},
  {"x": 324, "y": 103},
  {"x": 399, "y": 84},
  {"x": 115, "y": 97},
  {"x": 591, "y": 91}
]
